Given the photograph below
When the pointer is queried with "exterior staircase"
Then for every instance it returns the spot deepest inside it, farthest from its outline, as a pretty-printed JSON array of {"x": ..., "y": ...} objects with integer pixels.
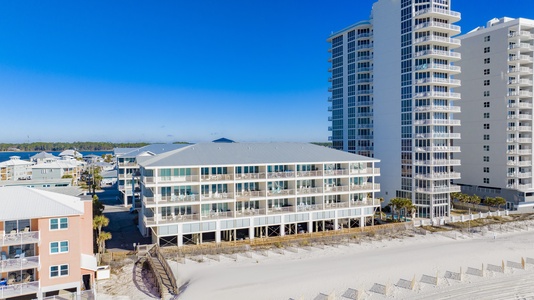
[{"x": 166, "y": 281}]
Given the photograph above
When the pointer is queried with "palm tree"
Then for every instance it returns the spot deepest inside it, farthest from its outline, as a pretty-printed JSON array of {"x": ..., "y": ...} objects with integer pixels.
[
  {"x": 99, "y": 222},
  {"x": 101, "y": 241}
]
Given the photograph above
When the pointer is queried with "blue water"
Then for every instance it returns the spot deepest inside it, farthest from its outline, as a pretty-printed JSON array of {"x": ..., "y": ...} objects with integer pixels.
[{"x": 26, "y": 155}]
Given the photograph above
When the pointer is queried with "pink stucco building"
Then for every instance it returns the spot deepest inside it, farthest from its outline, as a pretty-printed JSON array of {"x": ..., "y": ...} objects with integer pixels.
[{"x": 46, "y": 243}]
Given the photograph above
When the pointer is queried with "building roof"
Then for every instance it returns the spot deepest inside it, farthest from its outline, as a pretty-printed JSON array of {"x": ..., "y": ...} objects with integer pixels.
[
  {"x": 71, "y": 152},
  {"x": 14, "y": 161},
  {"x": 65, "y": 190},
  {"x": 213, "y": 154},
  {"x": 42, "y": 155},
  {"x": 121, "y": 151},
  {"x": 153, "y": 149},
  {"x": 28, "y": 203},
  {"x": 109, "y": 174},
  {"x": 58, "y": 164}
]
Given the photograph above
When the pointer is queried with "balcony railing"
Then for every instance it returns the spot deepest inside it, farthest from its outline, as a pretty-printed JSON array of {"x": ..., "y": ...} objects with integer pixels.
[
  {"x": 433, "y": 10},
  {"x": 286, "y": 174},
  {"x": 436, "y": 162},
  {"x": 521, "y": 57},
  {"x": 14, "y": 264},
  {"x": 439, "y": 189},
  {"x": 309, "y": 190},
  {"x": 437, "y": 24},
  {"x": 438, "y": 94},
  {"x": 309, "y": 173},
  {"x": 450, "y": 175},
  {"x": 218, "y": 177},
  {"x": 453, "y": 109},
  {"x": 520, "y": 105},
  {"x": 524, "y": 46},
  {"x": 247, "y": 176},
  {"x": 522, "y": 33},
  {"x": 436, "y": 122},
  {"x": 438, "y": 67},
  {"x": 217, "y": 196},
  {"x": 280, "y": 192},
  {"x": 19, "y": 289},
  {"x": 435, "y": 38},
  {"x": 245, "y": 195},
  {"x": 448, "y": 54},
  {"x": 519, "y": 128},
  {"x": 525, "y": 70},
  {"x": 150, "y": 221},
  {"x": 158, "y": 199},
  {"x": 19, "y": 238},
  {"x": 438, "y": 149},
  {"x": 438, "y": 81},
  {"x": 438, "y": 135}
]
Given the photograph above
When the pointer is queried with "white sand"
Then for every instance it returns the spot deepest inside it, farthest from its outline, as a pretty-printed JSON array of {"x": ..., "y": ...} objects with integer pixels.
[{"x": 333, "y": 270}]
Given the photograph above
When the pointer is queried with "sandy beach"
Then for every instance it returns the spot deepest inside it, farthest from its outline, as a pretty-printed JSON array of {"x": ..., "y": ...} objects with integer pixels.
[{"x": 364, "y": 267}]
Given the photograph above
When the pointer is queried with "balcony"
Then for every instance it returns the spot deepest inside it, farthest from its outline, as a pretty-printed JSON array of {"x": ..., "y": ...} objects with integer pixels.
[
  {"x": 520, "y": 105},
  {"x": 364, "y": 57},
  {"x": 450, "y": 109},
  {"x": 439, "y": 13},
  {"x": 522, "y": 34},
  {"x": 248, "y": 195},
  {"x": 519, "y": 128},
  {"x": 431, "y": 176},
  {"x": 437, "y": 122},
  {"x": 128, "y": 164},
  {"x": 520, "y": 152},
  {"x": 248, "y": 176},
  {"x": 286, "y": 174},
  {"x": 364, "y": 35},
  {"x": 161, "y": 220},
  {"x": 171, "y": 179},
  {"x": 521, "y": 58},
  {"x": 451, "y": 29},
  {"x": 521, "y": 82},
  {"x": 318, "y": 173},
  {"x": 19, "y": 238},
  {"x": 364, "y": 46},
  {"x": 439, "y": 67},
  {"x": 440, "y": 81},
  {"x": 173, "y": 199},
  {"x": 217, "y": 177},
  {"x": 438, "y": 40},
  {"x": 437, "y": 162},
  {"x": 365, "y": 187},
  {"x": 216, "y": 215},
  {"x": 439, "y": 189},
  {"x": 364, "y": 69},
  {"x": 520, "y": 117},
  {"x": 437, "y": 135},
  {"x": 520, "y": 94},
  {"x": 524, "y": 174},
  {"x": 16, "y": 264},
  {"x": 439, "y": 54},
  {"x": 280, "y": 192},
  {"x": 217, "y": 196},
  {"x": 438, "y": 149},
  {"x": 309, "y": 190},
  {"x": 520, "y": 71},
  {"x": 329, "y": 128},
  {"x": 521, "y": 47},
  {"x": 19, "y": 289}
]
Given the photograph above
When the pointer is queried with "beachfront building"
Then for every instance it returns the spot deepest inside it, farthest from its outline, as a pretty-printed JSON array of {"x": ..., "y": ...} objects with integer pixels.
[
  {"x": 43, "y": 157},
  {"x": 213, "y": 192},
  {"x": 15, "y": 169},
  {"x": 497, "y": 109},
  {"x": 392, "y": 94},
  {"x": 58, "y": 169},
  {"x": 46, "y": 243},
  {"x": 128, "y": 169}
]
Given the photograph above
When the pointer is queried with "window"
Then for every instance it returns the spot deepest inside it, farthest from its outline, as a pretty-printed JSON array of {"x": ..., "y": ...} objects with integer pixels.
[
  {"x": 487, "y": 38},
  {"x": 486, "y": 147},
  {"x": 486, "y": 159},
  {"x": 486, "y": 169},
  {"x": 486, "y": 180},
  {"x": 486, "y": 71},
  {"x": 486, "y": 104},
  {"x": 486, "y": 49},
  {"x": 59, "y": 247},
  {"x": 486, "y": 137},
  {"x": 486, "y": 94},
  {"x": 487, "y": 60},
  {"x": 59, "y": 223},
  {"x": 486, "y": 126},
  {"x": 486, "y": 82},
  {"x": 59, "y": 271},
  {"x": 486, "y": 115}
]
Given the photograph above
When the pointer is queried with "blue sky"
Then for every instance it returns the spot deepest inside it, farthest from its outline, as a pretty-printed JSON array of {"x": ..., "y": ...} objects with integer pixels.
[{"x": 164, "y": 71}]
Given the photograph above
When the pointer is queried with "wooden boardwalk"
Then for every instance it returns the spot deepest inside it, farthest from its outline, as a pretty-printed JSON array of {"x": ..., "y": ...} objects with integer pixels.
[{"x": 165, "y": 277}]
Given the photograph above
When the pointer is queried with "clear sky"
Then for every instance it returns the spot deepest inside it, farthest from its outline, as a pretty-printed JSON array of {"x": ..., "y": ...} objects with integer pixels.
[{"x": 164, "y": 71}]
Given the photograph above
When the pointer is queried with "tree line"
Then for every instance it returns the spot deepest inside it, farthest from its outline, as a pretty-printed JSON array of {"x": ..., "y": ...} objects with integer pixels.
[
  {"x": 476, "y": 200},
  {"x": 60, "y": 146}
]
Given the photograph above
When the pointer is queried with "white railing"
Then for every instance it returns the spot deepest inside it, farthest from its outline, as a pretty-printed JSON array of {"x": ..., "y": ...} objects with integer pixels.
[
  {"x": 438, "y": 135},
  {"x": 216, "y": 196},
  {"x": 520, "y": 128},
  {"x": 522, "y": 34},
  {"x": 438, "y": 94},
  {"x": 439, "y": 189},
  {"x": 521, "y": 81},
  {"x": 436, "y": 122},
  {"x": 242, "y": 176},
  {"x": 449, "y": 54},
  {"x": 19, "y": 238},
  {"x": 438, "y": 80},
  {"x": 217, "y": 177},
  {"x": 19, "y": 289},
  {"x": 520, "y": 57},
  {"x": 309, "y": 173},
  {"x": 309, "y": 190},
  {"x": 437, "y": 24},
  {"x": 435, "y": 38},
  {"x": 438, "y": 149},
  {"x": 438, "y": 11},
  {"x": 439, "y": 67},
  {"x": 451, "y": 175},
  {"x": 454, "y": 109},
  {"x": 437, "y": 162},
  {"x": 286, "y": 174},
  {"x": 215, "y": 215},
  {"x": 280, "y": 192},
  {"x": 14, "y": 264},
  {"x": 249, "y": 194},
  {"x": 158, "y": 199}
]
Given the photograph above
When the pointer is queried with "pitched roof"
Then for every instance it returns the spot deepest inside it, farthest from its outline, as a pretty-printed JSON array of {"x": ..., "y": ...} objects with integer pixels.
[
  {"x": 249, "y": 153},
  {"x": 28, "y": 203},
  {"x": 71, "y": 152},
  {"x": 14, "y": 161},
  {"x": 153, "y": 149},
  {"x": 42, "y": 155}
]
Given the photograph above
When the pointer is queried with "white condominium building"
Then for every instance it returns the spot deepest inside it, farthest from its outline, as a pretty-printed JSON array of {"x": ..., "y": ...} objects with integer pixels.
[
  {"x": 213, "y": 192},
  {"x": 128, "y": 169},
  {"x": 393, "y": 81},
  {"x": 496, "y": 114}
]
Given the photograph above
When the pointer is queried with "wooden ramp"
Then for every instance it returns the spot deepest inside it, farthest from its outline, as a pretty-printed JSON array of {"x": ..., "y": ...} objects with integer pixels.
[{"x": 164, "y": 275}]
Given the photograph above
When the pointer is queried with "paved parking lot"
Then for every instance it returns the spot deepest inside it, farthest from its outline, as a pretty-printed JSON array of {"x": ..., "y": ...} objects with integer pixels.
[{"x": 121, "y": 222}]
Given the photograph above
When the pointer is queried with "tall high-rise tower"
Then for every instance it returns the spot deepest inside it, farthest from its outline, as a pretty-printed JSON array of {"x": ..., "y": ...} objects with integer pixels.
[{"x": 392, "y": 98}]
